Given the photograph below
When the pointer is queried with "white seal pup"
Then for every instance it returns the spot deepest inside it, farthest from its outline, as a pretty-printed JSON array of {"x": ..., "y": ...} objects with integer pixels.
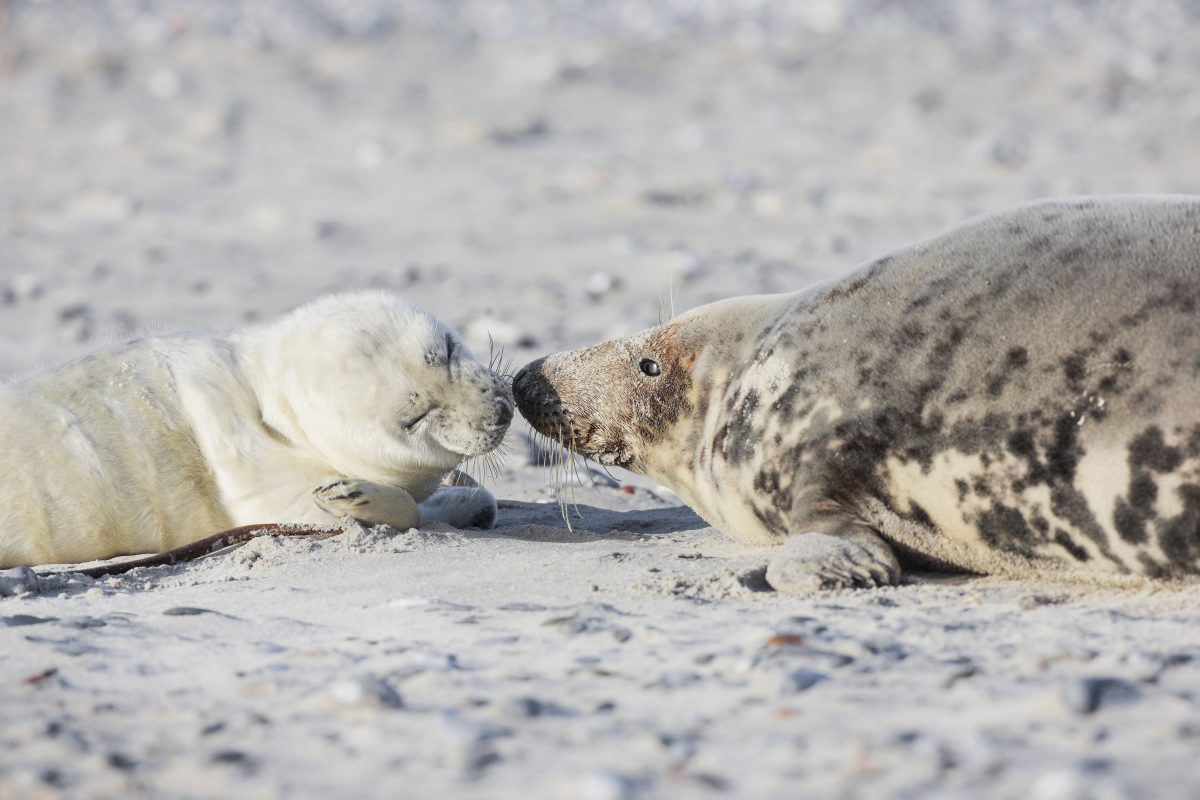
[
  {"x": 353, "y": 405},
  {"x": 1018, "y": 396}
]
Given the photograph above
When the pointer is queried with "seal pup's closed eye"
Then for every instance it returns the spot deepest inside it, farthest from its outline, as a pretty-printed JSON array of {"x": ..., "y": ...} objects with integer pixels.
[
  {"x": 332, "y": 410},
  {"x": 1017, "y": 396}
]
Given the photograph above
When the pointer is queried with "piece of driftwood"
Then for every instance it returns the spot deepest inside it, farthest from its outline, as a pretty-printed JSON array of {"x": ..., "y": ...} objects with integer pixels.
[{"x": 201, "y": 547}]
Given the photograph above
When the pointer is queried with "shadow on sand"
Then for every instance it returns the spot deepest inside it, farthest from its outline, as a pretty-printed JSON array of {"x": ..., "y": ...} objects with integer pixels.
[{"x": 544, "y": 522}]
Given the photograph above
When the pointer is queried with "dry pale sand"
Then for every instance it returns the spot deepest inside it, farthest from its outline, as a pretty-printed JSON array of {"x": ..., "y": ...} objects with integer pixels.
[{"x": 543, "y": 173}]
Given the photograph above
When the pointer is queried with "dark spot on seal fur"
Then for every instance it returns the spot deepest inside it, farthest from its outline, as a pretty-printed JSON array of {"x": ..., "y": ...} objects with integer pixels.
[
  {"x": 1075, "y": 370},
  {"x": 768, "y": 483},
  {"x": 1179, "y": 537},
  {"x": 1004, "y": 527},
  {"x": 910, "y": 334},
  {"x": 1133, "y": 515},
  {"x": 920, "y": 516},
  {"x": 1038, "y": 244},
  {"x": 1015, "y": 359},
  {"x": 741, "y": 441},
  {"x": 1063, "y": 539},
  {"x": 1063, "y": 456},
  {"x": 784, "y": 403},
  {"x": 1130, "y": 522},
  {"x": 771, "y": 520},
  {"x": 719, "y": 438},
  {"x": 1150, "y": 450},
  {"x": 1071, "y": 254}
]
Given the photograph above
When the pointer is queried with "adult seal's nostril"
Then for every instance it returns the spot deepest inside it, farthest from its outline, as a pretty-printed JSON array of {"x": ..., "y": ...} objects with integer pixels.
[{"x": 526, "y": 386}]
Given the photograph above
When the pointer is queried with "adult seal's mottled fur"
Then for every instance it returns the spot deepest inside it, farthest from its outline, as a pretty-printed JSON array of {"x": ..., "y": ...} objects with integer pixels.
[
  {"x": 1018, "y": 396},
  {"x": 354, "y": 405}
]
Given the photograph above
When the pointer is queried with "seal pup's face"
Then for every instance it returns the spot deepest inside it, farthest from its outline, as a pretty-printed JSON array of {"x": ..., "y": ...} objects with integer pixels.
[{"x": 376, "y": 384}]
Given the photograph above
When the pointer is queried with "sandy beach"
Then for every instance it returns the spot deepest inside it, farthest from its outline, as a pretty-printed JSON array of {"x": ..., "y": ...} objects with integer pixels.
[{"x": 543, "y": 176}]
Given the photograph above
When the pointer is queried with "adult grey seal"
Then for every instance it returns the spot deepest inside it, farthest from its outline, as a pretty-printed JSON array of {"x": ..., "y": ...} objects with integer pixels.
[
  {"x": 354, "y": 405},
  {"x": 1018, "y": 396}
]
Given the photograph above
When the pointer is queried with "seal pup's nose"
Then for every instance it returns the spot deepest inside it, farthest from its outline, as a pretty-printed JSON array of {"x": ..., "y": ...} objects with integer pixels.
[{"x": 504, "y": 413}]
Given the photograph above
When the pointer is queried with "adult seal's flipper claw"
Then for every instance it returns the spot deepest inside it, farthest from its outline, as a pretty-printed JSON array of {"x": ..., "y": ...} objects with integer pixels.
[{"x": 853, "y": 559}]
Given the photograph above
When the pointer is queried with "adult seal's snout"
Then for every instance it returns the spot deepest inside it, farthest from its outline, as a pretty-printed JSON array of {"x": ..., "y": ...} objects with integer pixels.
[
  {"x": 1015, "y": 396},
  {"x": 533, "y": 395}
]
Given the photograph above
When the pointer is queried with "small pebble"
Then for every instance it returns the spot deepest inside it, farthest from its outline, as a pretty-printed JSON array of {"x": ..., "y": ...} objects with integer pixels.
[
  {"x": 958, "y": 673},
  {"x": 20, "y": 620},
  {"x": 468, "y": 745},
  {"x": 801, "y": 680},
  {"x": 608, "y": 786},
  {"x": 121, "y": 761},
  {"x": 784, "y": 639},
  {"x": 366, "y": 691},
  {"x": 233, "y": 758},
  {"x": 186, "y": 611},
  {"x": 599, "y": 284},
  {"x": 677, "y": 679},
  {"x": 530, "y": 707},
  {"x": 1088, "y": 695},
  {"x": 527, "y": 133}
]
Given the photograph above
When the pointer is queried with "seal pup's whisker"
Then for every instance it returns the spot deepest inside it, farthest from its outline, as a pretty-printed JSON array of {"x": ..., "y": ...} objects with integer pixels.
[
  {"x": 493, "y": 461},
  {"x": 485, "y": 467},
  {"x": 498, "y": 362}
]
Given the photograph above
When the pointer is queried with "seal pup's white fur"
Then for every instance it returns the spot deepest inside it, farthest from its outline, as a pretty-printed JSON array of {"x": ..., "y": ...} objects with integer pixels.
[{"x": 355, "y": 404}]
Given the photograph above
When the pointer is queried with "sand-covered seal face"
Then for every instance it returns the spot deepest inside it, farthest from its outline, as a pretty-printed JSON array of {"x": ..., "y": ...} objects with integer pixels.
[
  {"x": 615, "y": 401},
  {"x": 1016, "y": 396}
]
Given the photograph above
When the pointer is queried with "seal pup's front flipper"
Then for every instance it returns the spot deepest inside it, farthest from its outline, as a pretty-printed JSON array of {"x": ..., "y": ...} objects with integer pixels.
[
  {"x": 844, "y": 556},
  {"x": 457, "y": 504},
  {"x": 369, "y": 502}
]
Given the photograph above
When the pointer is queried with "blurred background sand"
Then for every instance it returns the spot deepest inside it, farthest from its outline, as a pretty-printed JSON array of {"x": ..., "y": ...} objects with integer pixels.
[{"x": 553, "y": 167}]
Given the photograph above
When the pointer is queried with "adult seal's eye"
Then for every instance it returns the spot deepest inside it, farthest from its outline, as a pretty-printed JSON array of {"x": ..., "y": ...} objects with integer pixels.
[{"x": 650, "y": 367}]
